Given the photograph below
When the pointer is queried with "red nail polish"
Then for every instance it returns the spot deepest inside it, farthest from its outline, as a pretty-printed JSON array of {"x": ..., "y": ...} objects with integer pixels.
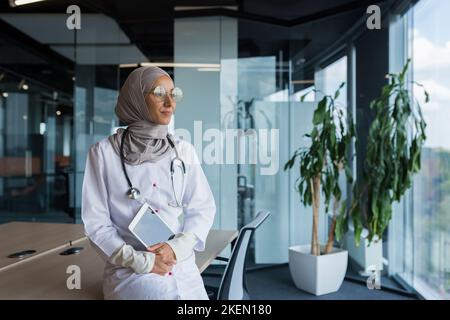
[{"x": 170, "y": 273}]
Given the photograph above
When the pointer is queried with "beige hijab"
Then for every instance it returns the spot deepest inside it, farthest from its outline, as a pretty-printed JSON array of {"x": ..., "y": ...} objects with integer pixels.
[{"x": 145, "y": 140}]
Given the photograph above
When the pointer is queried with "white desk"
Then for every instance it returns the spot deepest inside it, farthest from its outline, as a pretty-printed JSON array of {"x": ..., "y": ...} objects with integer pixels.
[
  {"x": 216, "y": 241},
  {"x": 44, "y": 276},
  {"x": 42, "y": 237}
]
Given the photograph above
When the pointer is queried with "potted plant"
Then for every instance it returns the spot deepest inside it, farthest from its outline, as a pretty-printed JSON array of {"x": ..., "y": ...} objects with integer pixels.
[
  {"x": 393, "y": 153},
  {"x": 314, "y": 268}
]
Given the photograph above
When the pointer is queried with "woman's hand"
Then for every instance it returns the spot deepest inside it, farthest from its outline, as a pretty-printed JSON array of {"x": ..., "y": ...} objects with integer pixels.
[
  {"x": 164, "y": 258},
  {"x": 160, "y": 267}
]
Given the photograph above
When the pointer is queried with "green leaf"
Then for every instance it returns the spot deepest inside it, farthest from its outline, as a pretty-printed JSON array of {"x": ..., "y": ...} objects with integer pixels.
[
  {"x": 303, "y": 97},
  {"x": 291, "y": 161},
  {"x": 336, "y": 95},
  {"x": 341, "y": 223},
  {"x": 405, "y": 69},
  {"x": 319, "y": 114}
]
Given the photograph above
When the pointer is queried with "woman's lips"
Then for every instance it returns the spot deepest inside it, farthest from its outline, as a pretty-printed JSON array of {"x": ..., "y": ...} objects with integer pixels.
[{"x": 167, "y": 113}]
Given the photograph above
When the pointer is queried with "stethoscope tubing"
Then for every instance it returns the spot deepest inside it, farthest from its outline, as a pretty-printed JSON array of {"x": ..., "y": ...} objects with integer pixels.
[{"x": 134, "y": 193}]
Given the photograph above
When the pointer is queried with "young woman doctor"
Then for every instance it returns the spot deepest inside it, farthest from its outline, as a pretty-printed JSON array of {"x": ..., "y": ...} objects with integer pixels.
[{"x": 167, "y": 270}]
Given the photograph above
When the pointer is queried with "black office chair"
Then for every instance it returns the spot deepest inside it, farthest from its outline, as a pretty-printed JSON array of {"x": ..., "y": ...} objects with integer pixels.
[{"x": 233, "y": 285}]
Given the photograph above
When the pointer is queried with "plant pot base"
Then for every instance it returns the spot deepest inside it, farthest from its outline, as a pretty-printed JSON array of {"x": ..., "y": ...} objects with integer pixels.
[{"x": 317, "y": 274}]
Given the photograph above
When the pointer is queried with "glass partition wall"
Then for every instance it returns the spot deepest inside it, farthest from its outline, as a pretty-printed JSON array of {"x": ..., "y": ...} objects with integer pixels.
[{"x": 36, "y": 118}]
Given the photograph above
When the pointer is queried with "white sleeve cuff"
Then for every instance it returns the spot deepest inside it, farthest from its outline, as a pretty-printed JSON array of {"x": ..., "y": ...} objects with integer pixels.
[
  {"x": 139, "y": 261},
  {"x": 183, "y": 245}
]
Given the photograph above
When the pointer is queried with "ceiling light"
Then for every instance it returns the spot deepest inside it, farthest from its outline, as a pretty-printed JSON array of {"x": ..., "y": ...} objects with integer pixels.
[
  {"x": 58, "y": 113},
  {"x": 180, "y": 65},
  {"x": 22, "y": 85},
  {"x": 2, "y": 76},
  {"x": 16, "y": 3},
  {"x": 188, "y": 8},
  {"x": 129, "y": 65},
  {"x": 5, "y": 94},
  {"x": 171, "y": 65},
  {"x": 209, "y": 69}
]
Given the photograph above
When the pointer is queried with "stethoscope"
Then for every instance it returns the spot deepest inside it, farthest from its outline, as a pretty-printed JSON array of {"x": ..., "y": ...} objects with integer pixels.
[{"x": 134, "y": 193}]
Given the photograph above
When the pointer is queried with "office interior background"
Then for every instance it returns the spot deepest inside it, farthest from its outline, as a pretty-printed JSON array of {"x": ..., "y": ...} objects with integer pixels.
[{"x": 241, "y": 64}]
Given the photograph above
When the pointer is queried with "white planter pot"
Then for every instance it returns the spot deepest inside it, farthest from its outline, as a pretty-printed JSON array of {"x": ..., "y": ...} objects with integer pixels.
[
  {"x": 317, "y": 274},
  {"x": 368, "y": 258}
]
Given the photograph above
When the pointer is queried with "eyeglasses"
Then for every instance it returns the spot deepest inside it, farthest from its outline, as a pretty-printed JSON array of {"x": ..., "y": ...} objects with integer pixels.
[{"x": 161, "y": 93}]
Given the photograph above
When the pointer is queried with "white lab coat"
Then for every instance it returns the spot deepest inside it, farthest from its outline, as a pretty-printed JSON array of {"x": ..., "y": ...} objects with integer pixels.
[{"x": 107, "y": 212}]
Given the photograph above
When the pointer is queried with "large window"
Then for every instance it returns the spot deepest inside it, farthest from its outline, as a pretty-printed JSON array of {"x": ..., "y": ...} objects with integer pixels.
[
  {"x": 330, "y": 78},
  {"x": 431, "y": 195}
]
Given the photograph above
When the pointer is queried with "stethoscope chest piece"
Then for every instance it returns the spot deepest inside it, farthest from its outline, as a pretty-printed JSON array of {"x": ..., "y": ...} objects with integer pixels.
[{"x": 133, "y": 193}]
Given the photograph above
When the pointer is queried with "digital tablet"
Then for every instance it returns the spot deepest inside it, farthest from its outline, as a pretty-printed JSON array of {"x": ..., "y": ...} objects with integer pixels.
[{"x": 149, "y": 228}]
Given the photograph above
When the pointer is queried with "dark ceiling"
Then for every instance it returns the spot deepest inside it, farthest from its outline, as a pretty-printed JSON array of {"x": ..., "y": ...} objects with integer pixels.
[
  {"x": 149, "y": 24},
  {"x": 290, "y": 28}
]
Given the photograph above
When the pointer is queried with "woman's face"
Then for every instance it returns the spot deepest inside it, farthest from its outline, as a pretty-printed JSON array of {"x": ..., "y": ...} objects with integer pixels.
[{"x": 161, "y": 110}]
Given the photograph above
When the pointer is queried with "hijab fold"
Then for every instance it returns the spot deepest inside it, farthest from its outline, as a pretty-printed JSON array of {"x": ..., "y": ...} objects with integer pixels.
[{"x": 145, "y": 140}]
